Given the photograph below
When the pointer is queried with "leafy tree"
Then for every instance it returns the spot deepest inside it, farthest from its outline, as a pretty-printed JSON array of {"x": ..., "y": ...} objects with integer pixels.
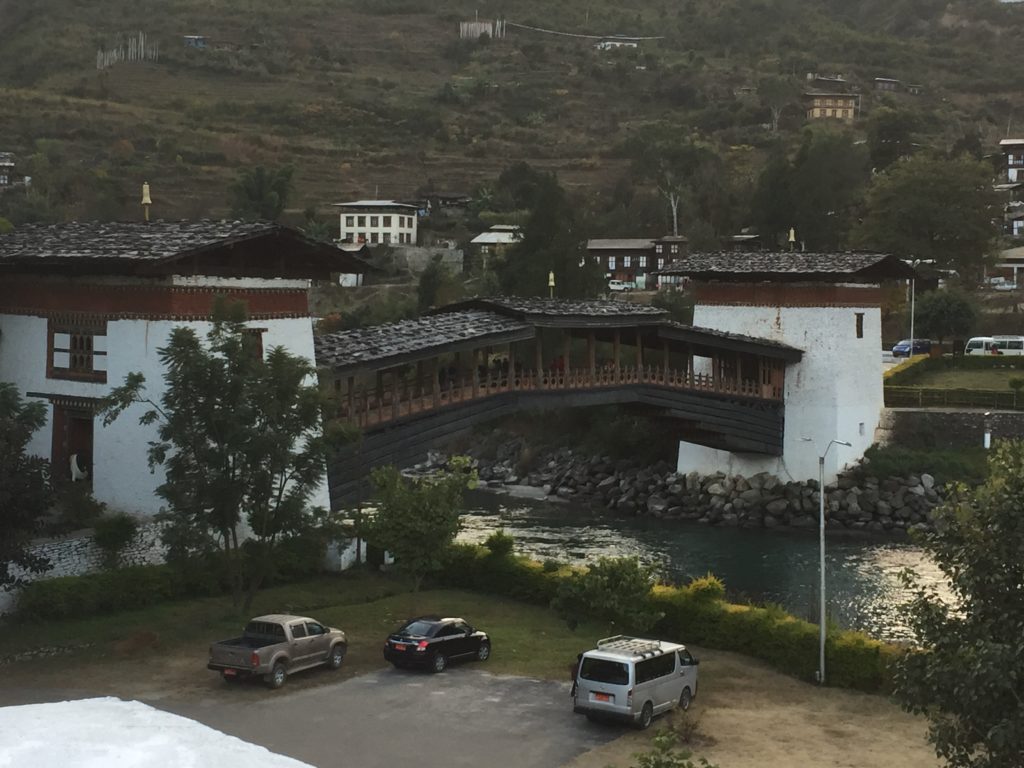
[
  {"x": 890, "y": 136},
  {"x": 437, "y": 286},
  {"x": 25, "y": 491},
  {"x": 417, "y": 519},
  {"x": 616, "y": 590},
  {"x": 552, "y": 241},
  {"x": 966, "y": 678},
  {"x": 827, "y": 182},
  {"x": 776, "y": 94},
  {"x": 673, "y": 166},
  {"x": 241, "y": 441},
  {"x": 772, "y": 203},
  {"x": 261, "y": 193},
  {"x": 933, "y": 208},
  {"x": 945, "y": 314},
  {"x": 314, "y": 228}
]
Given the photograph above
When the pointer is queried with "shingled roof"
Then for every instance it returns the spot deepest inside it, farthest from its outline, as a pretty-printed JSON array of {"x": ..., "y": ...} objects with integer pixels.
[
  {"x": 789, "y": 265},
  {"x": 396, "y": 343},
  {"x": 564, "y": 312},
  {"x": 119, "y": 247}
]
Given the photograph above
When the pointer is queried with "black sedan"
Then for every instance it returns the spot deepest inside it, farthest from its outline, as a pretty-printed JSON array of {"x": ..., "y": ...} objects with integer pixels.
[{"x": 432, "y": 642}]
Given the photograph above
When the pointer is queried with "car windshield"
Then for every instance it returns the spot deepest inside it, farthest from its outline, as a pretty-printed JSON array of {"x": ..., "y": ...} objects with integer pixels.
[
  {"x": 418, "y": 629},
  {"x": 604, "y": 671},
  {"x": 903, "y": 343}
]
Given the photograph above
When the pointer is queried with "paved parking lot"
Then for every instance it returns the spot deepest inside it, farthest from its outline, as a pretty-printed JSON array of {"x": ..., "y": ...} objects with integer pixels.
[{"x": 463, "y": 717}]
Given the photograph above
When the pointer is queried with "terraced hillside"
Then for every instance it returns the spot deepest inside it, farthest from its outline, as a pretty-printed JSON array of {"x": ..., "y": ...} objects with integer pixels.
[{"x": 380, "y": 98}]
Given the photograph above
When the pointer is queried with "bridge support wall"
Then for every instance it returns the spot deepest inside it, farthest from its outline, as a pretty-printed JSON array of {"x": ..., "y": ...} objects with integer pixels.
[{"x": 833, "y": 393}]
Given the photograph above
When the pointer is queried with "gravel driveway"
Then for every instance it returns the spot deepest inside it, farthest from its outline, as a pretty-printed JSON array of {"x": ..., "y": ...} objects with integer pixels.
[{"x": 463, "y": 717}]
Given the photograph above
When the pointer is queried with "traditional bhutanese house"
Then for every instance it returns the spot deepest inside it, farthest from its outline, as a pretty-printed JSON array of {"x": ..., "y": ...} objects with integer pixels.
[
  {"x": 830, "y": 105},
  {"x": 827, "y": 304},
  {"x": 84, "y": 304},
  {"x": 628, "y": 259}
]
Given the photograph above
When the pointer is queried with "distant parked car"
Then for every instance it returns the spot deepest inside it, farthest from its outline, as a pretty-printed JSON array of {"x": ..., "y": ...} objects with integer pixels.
[
  {"x": 1005, "y": 286},
  {"x": 921, "y": 347},
  {"x": 432, "y": 642},
  {"x": 619, "y": 285}
]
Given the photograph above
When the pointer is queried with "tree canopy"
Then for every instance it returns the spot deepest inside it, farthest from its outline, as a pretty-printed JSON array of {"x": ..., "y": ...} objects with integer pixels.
[
  {"x": 417, "y": 519},
  {"x": 25, "y": 491},
  {"x": 890, "y": 136},
  {"x": 967, "y": 677},
  {"x": 552, "y": 241},
  {"x": 944, "y": 314},
  {"x": 261, "y": 193},
  {"x": 933, "y": 208},
  {"x": 241, "y": 440}
]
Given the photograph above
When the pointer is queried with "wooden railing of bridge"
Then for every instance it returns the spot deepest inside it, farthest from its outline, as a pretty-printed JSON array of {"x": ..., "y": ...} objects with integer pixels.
[{"x": 369, "y": 406}]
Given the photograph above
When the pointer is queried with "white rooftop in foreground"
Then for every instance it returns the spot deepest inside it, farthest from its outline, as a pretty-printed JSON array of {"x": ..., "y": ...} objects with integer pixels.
[{"x": 110, "y": 733}]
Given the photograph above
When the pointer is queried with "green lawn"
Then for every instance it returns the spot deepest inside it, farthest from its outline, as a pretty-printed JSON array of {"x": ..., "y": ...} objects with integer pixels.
[
  {"x": 968, "y": 379},
  {"x": 527, "y": 639}
]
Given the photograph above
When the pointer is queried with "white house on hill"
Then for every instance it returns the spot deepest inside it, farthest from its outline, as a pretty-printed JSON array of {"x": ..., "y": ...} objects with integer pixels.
[
  {"x": 84, "y": 304},
  {"x": 377, "y": 222}
]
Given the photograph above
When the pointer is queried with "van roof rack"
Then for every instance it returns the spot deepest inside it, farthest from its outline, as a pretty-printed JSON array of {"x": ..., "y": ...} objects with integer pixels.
[{"x": 632, "y": 645}]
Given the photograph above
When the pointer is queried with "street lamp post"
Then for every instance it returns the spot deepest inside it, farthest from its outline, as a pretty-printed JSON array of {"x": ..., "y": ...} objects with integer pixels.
[
  {"x": 913, "y": 265},
  {"x": 821, "y": 553}
]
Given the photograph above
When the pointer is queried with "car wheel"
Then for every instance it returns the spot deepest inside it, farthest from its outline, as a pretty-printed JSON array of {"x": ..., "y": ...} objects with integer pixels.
[
  {"x": 684, "y": 699},
  {"x": 483, "y": 653},
  {"x": 439, "y": 663},
  {"x": 646, "y": 715},
  {"x": 337, "y": 656},
  {"x": 277, "y": 676}
]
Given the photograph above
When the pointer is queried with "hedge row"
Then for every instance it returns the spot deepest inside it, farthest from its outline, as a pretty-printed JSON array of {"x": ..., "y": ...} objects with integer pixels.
[
  {"x": 910, "y": 372},
  {"x": 139, "y": 586},
  {"x": 697, "y": 613}
]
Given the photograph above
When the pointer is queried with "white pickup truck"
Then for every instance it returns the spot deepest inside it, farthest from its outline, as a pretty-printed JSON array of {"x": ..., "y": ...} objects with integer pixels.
[{"x": 274, "y": 646}]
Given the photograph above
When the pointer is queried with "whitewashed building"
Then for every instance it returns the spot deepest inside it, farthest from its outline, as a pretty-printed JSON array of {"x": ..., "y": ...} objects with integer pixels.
[
  {"x": 377, "y": 222},
  {"x": 829, "y": 306},
  {"x": 84, "y": 304}
]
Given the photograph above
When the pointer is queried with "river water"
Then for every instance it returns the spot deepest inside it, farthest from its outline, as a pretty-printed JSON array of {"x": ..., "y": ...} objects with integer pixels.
[{"x": 757, "y": 565}]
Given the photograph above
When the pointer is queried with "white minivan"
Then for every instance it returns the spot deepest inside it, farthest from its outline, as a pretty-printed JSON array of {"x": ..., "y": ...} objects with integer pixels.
[
  {"x": 631, "y": 679},
  {"x": 995, "y": 345}
]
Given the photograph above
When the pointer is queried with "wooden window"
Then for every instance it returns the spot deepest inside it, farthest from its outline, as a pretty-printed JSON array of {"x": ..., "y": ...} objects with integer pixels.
[
  {"x": 350, "y": 221},
  {"x": 860, "y": 324},
  {"x": 373, "y": 237},
  {"x": 374, "y": 221},
  {"x": 77, "y": 351},
  {"x": 362, "y": 221},
  {"x": 627, "y": 262},
  {"x": 642, "y": 262},
  {"x": 661, "y": 263},
  {"x": 253, "y": 340},
  {"x": 611, "y": 262},
  {"x": 658, "y": 248},
  {"x": 386, "y": 220},
  {"x": 675, "y": 249}
]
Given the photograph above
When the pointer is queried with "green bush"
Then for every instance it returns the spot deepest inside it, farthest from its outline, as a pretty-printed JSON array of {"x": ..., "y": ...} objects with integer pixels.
[
  {"x": 614, "y": 590},
  {"x": 112, "y": 534},
  {"x": 500, "y": 543},
  {"x": 968, "y": 465},
  {"x": 73, "y": 597},
  {"x": 695, "y": 614}
]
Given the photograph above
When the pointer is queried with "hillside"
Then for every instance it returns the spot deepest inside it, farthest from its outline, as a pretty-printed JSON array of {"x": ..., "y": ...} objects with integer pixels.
[{"x": 380, "y": 98}]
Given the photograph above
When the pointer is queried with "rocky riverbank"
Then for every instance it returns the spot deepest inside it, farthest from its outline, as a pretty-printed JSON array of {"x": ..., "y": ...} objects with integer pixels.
[{"x": 854, "y": 501}]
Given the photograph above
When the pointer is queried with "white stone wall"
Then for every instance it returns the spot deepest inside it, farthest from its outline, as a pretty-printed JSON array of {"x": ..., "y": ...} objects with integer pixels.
[
  {"x": 76, "y": 555},
  {"x": 835, "y": 392},
  {"x": 121, "y": 475}
]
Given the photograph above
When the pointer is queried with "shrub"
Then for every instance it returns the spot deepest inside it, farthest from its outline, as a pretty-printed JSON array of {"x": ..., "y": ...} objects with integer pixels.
[
  {"x": 78, "y": 508},
  {"x": 615, "y": 590},
  {"x": 500, "y": 543},
  {"x": 551, "y": 566},
  {"x": 112, "y": 534},
  {"x": 694, "y": 614},
  {"x": 73, "y": 597}
]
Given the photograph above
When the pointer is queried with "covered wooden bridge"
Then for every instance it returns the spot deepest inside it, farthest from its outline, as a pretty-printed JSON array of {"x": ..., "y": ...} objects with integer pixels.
[{"x": 408, "y": 384}]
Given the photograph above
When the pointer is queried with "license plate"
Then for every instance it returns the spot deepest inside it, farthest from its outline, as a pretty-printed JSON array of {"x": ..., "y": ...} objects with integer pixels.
[
  {"x": 602, "y": 697},
  {"x": 230, "y": 672},
  {"x": 399, "y": 647}
]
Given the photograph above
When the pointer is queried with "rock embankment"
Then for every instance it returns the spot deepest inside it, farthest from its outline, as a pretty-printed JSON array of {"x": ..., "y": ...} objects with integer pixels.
[{"x": 853, "y": 502}]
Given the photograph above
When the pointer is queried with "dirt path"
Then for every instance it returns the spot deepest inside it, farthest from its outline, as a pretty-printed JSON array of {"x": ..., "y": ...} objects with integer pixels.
[{"x": 749, "y": 716}]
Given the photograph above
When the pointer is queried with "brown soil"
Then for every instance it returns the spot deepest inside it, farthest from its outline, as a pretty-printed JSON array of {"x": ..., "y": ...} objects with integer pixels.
[{"x": 749, "y": 716}]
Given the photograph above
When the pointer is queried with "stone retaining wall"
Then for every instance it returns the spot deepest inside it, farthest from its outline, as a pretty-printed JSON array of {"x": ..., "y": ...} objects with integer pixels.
[
  {"x": 941, "y": 428},
  {"x": 76, "y": 554},
  {"x": 890, "y": 505}
]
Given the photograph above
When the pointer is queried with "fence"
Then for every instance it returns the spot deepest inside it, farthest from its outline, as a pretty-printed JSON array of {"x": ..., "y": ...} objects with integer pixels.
[{"x": 928, "y": 397}]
